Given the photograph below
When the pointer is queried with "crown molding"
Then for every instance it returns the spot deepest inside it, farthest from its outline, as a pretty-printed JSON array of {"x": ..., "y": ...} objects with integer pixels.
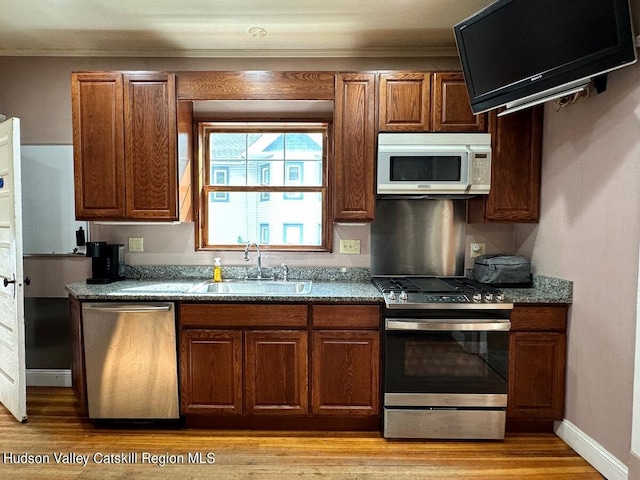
[{"x": 234, "y": 53}]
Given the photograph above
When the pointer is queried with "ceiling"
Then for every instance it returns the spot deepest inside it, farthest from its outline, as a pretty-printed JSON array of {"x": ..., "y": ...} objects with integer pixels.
[{"x": 223, "y": 28}]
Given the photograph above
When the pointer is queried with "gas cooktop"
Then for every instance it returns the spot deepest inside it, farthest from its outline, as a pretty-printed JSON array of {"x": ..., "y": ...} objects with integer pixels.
[{"x": 438, "y": 292}]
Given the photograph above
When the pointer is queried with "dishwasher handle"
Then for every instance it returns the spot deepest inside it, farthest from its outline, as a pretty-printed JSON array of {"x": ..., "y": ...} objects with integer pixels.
[{"x": 129, "y": 308}]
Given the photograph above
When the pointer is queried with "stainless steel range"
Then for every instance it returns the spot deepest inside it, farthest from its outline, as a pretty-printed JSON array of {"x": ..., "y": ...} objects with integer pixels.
[
  {"x": 445, "y": 364},
  {"x": 446, "y": 338}
]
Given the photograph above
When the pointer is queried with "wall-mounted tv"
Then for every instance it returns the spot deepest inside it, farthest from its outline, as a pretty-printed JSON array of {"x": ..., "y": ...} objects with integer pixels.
[{"x": 517, "y": 53}]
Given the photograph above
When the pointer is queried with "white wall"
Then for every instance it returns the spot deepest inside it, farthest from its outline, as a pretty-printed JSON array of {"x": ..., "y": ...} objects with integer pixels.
[{"x": 590, "y": 233}]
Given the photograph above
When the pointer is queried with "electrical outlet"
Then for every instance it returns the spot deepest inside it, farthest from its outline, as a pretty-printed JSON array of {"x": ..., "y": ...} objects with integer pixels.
[
  {"x": 135, "y": 244},
  {"x": 350, "y": 247},
  {"x": 477, "y": 249}
]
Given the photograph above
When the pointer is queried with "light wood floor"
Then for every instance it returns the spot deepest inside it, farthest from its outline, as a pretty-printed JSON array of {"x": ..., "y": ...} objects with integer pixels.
[{"x": 54, "y": 428}]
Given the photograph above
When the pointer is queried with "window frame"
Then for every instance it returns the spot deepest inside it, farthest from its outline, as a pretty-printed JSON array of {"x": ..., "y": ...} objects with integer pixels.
[{"x": 203, "y": 171}]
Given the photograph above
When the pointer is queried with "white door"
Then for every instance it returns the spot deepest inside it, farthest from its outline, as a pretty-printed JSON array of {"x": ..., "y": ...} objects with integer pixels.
[{"x": 13, "y": 390}]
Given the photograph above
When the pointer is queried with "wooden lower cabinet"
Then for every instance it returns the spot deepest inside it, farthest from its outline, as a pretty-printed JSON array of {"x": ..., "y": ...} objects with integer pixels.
[
  {"x": 211, "y": 371},
  {"x": 78, "y": 377},
  {"x": 276, "y": 372},
  {"x": 346, "y": 373},
  {"x": 537, "y": 346},
  {"x": 268, "y": 366},
  {"x": 238, "y": 372}
]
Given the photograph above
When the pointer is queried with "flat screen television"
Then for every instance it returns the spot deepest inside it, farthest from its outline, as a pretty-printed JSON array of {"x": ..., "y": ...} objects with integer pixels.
[{"x": 517, "y": 53}]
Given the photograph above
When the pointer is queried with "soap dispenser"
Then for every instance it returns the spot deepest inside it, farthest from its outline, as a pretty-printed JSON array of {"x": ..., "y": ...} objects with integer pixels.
[{"x": 217, "y": 270}]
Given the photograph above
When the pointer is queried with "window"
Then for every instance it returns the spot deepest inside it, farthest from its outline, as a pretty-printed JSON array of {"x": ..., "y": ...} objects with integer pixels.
[
  {"x": 292, "y": 233},
  {"x": 264, "y": 233},
  {"x": 264, "y": 182},
  {"x": 293, "y": 176},
  {"x": 264, "y": 174},
  {"x": 220, "y": 176}
]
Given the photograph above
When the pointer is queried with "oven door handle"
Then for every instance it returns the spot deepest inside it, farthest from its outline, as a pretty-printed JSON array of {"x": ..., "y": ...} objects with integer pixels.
[{"x": 438, "y": 324}]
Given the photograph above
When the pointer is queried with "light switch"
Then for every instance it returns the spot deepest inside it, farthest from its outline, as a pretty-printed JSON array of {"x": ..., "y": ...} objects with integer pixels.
[{"x": 350, "y": 247}]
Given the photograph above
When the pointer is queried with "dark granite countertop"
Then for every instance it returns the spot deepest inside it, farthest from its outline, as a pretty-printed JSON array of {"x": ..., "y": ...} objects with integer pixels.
[
  {"x": 175, "y": 290},
  {"x": 169, "y": 283},
  {"x": 543, "y": 290}
]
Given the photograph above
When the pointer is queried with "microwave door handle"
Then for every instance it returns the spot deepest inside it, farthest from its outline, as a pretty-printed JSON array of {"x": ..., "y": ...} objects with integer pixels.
[{"x": 446, "y": 325}]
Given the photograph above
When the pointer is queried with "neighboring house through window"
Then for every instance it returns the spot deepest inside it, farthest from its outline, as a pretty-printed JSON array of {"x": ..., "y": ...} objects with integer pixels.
[{"x": 264, "y": 182}]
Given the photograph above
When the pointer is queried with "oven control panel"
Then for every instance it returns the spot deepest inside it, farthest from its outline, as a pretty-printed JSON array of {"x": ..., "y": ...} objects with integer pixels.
[
  {"x": 446, "y": 298},
  {"x": 404, "y": 300}
]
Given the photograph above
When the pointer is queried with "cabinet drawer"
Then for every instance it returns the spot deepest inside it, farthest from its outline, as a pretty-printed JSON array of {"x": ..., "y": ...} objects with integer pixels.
[
  {"x": 242, "y": 315},
  {"x": 346, "y": 316},
  {"x": 539, "y": 318}
]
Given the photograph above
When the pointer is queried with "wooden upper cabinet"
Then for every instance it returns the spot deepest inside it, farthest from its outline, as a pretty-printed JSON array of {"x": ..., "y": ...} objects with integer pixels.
[
  {"x": 404, "y": 101},
  {"x": 515, "y": 171},
  {"x": 426, "y": 102},
  {"x": 150, "y": 112},
  {"x": 124, "y": 138},
  {"x": 98, "y": 145},
  {"x": 355, "y": 147},
  {"x": 451, "y": 110}
]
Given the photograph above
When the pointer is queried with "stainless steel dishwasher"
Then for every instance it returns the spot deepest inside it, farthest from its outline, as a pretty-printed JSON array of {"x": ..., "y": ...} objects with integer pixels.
[{"x": 130, "y": 360}]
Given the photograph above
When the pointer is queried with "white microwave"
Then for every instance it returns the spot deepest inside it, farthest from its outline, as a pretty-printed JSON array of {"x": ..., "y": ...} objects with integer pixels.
[{"x": 433, "y": 163}]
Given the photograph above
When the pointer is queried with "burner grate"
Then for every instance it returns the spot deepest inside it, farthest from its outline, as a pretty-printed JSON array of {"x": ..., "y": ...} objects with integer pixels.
[
  {"x": 431, "y": 285},
  {"x": 399, "y": 284}
]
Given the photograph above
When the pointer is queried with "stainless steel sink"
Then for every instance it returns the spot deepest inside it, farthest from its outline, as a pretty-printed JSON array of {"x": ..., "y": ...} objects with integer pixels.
[{"x": 253, "y": 287}]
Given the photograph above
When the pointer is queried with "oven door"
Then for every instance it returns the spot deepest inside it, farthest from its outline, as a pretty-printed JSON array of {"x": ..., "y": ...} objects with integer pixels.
[{"x": 445, "y": 378}]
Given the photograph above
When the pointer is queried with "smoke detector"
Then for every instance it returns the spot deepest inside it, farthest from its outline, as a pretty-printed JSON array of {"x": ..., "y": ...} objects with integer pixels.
[{"x": 257, "y": 32}]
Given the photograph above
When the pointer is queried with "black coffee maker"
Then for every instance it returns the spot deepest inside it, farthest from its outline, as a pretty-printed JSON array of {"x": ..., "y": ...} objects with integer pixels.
[{"x": 107, "y": 262}]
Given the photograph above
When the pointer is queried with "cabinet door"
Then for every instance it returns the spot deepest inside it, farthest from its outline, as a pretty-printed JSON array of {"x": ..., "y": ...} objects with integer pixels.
[
  {"x": 404, "y": 102},
  {"x": 355, "y": 147},
  {"x": 276, "y": 372},
  {"x": 98, "y": 145},
  {"x": 346, "y": 372},
  {"x": 515, "y": 171},
  {"x": 211, "y": 371},
  {"x": 185, "y": 160},
  {"x": 536, "y": 375},
  {"x": 150, "y": 116},
  {"x": 451, "y": 107},
  {"x": 77, "y": 356}
]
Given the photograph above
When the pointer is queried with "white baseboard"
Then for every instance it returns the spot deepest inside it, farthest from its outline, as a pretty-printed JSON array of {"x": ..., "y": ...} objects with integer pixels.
[
  {"x": 594, "y": 453},
  {"x": 41, "y": 377}
]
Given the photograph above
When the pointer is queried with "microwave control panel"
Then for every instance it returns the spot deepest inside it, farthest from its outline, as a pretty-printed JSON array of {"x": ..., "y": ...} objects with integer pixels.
[{"x": 481, "y": 169}]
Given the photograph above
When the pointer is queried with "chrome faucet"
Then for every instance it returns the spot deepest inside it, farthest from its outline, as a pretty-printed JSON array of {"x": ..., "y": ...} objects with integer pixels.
[
  {"x": 246, "y": 256},
  {"x": 285, "y": 272}
]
